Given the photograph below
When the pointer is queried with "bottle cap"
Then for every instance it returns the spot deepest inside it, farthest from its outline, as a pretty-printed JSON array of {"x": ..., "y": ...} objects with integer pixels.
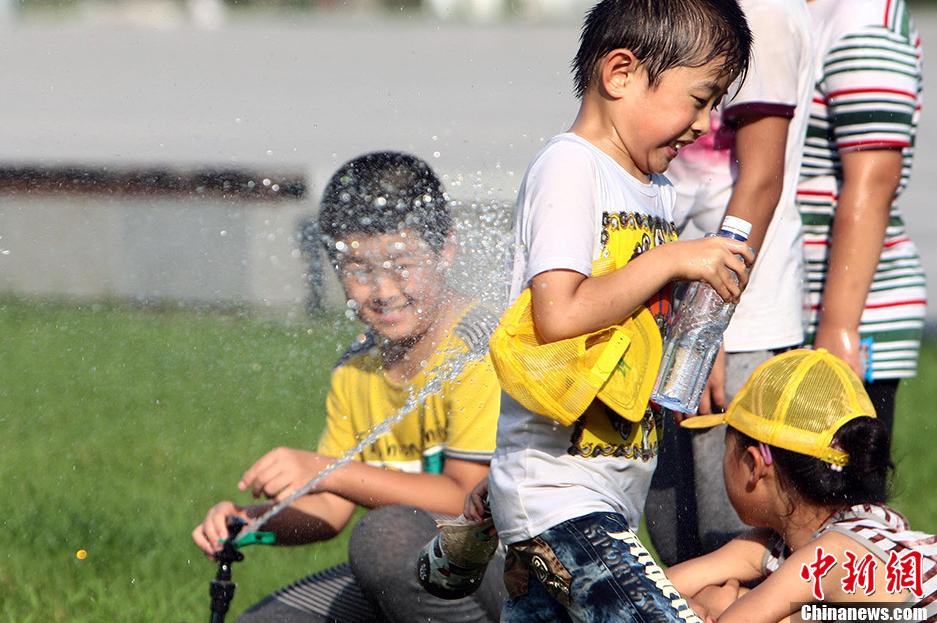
[{"x": 737, "y": 226}]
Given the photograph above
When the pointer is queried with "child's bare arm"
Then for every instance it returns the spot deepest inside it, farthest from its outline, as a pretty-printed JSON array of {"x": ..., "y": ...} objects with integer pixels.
[
  {"x": 739, "y": 559},
  {"x": 567, "y": 304},
  {"x": 783, "y": 592},
  {"x": 760, "y": 144},
  {"x": 870, "y": 179},
  {"x": 316, "y": 517},
  {"x": 283, "y": 470}
]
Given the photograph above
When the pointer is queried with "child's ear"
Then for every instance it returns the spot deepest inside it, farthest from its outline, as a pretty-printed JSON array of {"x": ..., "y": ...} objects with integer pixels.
[
  {"x": 755, "y": 465},
  {"x": 448, "y": 251},
  {"x": 617, "y": 70}
]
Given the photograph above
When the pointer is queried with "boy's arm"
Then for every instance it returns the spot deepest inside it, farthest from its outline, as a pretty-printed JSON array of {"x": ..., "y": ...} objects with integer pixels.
[
  {"x": 870, "y": 179},
  {"x": 281, "y": 471},
  {"x": 316, "y": 517},
  {"x": 568, "y": 304},
  {"x": 739, "y": 559}
]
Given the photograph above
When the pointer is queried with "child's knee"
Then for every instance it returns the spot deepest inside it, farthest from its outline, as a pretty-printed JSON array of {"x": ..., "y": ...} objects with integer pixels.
[{"x": 385, "y": 543}]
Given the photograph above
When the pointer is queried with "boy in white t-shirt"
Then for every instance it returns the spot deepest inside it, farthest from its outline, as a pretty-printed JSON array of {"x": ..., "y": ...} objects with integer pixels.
[
  {"x": 748, "y": 168},
  {"x": 593, "y": 214}
]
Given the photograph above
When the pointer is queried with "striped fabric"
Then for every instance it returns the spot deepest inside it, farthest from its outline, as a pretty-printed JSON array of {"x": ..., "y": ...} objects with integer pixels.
[
  {"x": 883, "y": 530},
  {"x": 332, "y": 594},
  {"x": 868, "y": 96},
  {"x": 880, "y": 530}
]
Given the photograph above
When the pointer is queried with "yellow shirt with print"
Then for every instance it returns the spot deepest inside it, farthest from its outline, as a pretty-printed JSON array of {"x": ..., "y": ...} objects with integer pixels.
[
  {"x": 459, "y": 421},
  {"x": 600, "y": 431}
]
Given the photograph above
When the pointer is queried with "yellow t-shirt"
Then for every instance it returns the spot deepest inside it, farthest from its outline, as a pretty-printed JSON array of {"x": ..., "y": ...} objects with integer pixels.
[{"x": 458, "y": 422}]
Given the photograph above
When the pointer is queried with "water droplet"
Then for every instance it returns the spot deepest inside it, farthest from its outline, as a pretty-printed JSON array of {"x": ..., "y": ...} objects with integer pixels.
[
  {"x": 436, "y": 154},
  {"x": 223, "y": 233},
  {"x": 267, "y": 181},
  {"x": 269, "y": 152},
  {"x": 435, "y": 138}
]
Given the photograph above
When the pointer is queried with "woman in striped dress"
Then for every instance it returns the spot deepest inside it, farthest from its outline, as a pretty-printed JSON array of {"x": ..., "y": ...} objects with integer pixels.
[{"x": 866, "y": 284}]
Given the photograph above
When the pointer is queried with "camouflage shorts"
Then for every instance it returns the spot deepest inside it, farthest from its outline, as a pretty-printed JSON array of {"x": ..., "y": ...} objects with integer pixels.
[{"x": 591, "y": 569}]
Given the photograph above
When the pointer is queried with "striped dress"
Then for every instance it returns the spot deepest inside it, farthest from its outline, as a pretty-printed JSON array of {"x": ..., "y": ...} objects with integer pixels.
[
  {"x": 867, "y": 96},
  {"x": 879, "y": 530}
]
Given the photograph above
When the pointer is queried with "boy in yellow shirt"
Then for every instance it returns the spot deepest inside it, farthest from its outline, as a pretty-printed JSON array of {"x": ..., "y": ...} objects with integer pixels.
[{"x": 385, "y": 225}]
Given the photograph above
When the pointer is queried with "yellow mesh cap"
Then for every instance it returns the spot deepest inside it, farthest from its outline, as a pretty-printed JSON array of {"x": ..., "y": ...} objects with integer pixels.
[
  {"x": 561, "y": 379},
  {"x": 796, "y": 401}
]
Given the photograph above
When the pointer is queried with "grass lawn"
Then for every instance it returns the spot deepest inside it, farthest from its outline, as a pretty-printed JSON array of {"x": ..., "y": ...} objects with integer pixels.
[{"x": 120, "y": 427}]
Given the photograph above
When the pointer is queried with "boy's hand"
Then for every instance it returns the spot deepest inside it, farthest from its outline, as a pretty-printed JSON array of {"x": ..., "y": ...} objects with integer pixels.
[
  {"x": 708, "y": 259},
  {"x": 474, "y": 509},
  {"x": 209, "y": 534},
  {"x": 281, "y": 471}
]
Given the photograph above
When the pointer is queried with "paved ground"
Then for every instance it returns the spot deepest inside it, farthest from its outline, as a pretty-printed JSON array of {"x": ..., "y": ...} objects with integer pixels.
[{"x": 306, "y": 93}]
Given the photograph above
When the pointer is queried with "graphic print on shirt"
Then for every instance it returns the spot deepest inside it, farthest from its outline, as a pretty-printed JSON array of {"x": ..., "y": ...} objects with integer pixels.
[{"x": 600, "y": 431}]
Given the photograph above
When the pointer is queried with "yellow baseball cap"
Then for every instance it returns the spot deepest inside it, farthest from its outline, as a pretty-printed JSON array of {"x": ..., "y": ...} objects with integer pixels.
[
  {"x": 797, "y": 400},
  {"x": 617, "y": 365}
]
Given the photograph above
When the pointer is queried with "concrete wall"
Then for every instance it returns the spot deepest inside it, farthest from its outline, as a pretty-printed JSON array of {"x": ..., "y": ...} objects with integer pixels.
[{"x": 200, "y": 251}]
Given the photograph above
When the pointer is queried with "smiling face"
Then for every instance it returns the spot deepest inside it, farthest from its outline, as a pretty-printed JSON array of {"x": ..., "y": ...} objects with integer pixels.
[
  {"x": 395, "y": 281},
  {"x": 651, "y": 123}
]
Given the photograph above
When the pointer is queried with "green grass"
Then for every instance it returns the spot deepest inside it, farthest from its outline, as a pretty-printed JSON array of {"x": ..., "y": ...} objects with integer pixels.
[{"x": 120, "y": 427}]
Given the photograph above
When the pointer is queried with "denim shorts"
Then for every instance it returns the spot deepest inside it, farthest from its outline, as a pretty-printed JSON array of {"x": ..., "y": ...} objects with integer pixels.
[{"x": 591, "y": 569}]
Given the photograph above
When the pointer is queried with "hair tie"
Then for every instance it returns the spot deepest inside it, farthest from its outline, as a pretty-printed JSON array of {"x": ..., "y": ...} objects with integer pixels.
[{"x": 765, "y": 453}]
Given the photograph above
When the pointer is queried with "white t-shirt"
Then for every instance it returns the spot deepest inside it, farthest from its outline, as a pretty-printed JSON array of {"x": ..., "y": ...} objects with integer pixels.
[
  {"x": 779, "y": 82},
  {"x": 543, "y": 473}
]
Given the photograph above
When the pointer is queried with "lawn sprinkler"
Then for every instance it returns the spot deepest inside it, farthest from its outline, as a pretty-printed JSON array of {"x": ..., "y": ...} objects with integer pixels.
[{"x": 222, "y": 588}]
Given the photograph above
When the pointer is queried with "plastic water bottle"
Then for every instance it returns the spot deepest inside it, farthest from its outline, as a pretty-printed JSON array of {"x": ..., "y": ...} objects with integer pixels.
[{"x": 695, "y": 337}]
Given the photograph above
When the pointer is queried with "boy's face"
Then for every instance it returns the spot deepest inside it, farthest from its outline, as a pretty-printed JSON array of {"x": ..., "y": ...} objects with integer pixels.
[
  {"x": 656, "y": 121},
  {"x": 395, "y": 281}
]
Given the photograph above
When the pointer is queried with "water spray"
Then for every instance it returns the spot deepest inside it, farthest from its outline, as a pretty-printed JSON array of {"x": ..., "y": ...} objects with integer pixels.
[
  {"x": 432, "y": 386},
  {"x": 241, "y": 533}
]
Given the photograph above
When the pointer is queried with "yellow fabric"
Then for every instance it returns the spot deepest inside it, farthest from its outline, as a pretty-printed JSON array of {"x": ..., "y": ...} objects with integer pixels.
[
  {"x": 796, "y": 401},
  {"x": 617, "y": 365},
  {"x": 458, "y": 422}
]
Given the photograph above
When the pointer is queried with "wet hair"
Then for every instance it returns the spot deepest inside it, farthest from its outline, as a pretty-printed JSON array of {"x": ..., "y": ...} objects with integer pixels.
[
  {"x": 380, "y": 193},
  {"x": 865, "y": 480},
  {"x": 663, "y": 34}
]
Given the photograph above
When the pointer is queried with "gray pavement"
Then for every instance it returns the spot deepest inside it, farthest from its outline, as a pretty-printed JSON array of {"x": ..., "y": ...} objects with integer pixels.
[{"x": 305, "y": 93}]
